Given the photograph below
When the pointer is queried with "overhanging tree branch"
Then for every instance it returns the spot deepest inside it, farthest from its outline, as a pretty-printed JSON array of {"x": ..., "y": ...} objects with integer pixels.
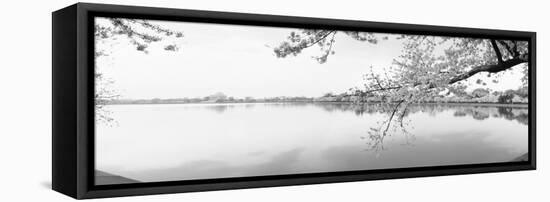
[
  {"x": 382, "y": 89},
  {"x": 320, "y": 39},
  {"x": 296, "y": 45},
  {"x": 494, "y": 68},
  {"x": 497, "y": 51},
  {"x": 324, "y": 57},
  {"x": 489, "y": 68}
]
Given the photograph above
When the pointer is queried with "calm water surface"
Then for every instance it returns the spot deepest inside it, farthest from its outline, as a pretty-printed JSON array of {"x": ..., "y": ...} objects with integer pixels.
[{"x": 196, "y": 141}]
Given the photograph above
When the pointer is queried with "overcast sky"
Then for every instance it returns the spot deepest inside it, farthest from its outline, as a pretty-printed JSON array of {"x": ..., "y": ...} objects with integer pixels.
[{"x": 239, "y": 61}]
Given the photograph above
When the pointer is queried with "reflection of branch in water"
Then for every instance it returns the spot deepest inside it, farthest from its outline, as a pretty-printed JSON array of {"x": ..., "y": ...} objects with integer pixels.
[
  {"x": 402, "y": 109},
  {"x": 397, "y": 114},
  {"x": 408, "y": 136}
]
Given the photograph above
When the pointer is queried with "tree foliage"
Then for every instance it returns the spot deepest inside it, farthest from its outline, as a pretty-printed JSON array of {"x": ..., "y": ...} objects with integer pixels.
[
  {"x": 428, "y": 66},
  {"x": 139, "y": 33}
]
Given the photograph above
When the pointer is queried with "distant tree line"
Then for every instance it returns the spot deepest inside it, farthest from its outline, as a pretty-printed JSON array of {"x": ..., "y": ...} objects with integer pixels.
[{"x": 480, "y": 95}]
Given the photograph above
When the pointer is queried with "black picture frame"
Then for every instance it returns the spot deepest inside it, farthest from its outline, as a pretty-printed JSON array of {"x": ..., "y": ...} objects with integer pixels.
[{"x": 73, "y": 104}]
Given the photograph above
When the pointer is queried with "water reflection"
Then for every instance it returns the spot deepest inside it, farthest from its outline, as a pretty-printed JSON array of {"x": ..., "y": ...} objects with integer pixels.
[
  {"x": 375, "y": 135},
  {"x": 197, "y": 141},
  {"x": 518, "y": 113},
  {"x": 219, "y": 108},
  {"x": 282, "y": 163}
]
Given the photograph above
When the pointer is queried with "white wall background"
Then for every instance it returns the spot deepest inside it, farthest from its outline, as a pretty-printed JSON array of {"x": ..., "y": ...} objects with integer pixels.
[{"x": 25, "y": 102}]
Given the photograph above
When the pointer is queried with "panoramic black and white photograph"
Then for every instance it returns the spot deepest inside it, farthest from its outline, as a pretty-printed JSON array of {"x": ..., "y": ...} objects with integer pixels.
[{"x": 189, "y": 101}]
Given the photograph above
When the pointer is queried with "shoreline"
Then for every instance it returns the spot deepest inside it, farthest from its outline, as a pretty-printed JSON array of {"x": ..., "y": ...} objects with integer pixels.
[
  {"x": 105, "y": 178},
  {"x": 524, "y": 157}
]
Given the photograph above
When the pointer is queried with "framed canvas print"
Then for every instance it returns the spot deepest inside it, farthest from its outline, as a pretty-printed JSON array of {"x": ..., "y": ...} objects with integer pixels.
[{"x": 155, "y": 100}]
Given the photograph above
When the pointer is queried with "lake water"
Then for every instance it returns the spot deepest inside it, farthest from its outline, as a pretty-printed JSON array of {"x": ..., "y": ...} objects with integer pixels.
[{"x": 152, "y": 143}]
